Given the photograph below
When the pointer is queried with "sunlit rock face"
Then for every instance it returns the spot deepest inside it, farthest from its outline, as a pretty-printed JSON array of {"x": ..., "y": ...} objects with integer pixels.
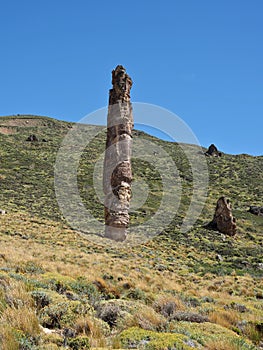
[
  {"x": 223, "y": 219},
  {"x": 117, "y": 175}
]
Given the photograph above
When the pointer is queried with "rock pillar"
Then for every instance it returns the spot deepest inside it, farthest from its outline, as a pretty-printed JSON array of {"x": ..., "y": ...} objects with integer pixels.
[
  {"x": 117, "y": 175},
  {"x": 223, "y": 219}
]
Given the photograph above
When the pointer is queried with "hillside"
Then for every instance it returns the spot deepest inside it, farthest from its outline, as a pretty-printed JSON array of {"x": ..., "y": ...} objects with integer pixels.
[{"x": 199, "y": 289}]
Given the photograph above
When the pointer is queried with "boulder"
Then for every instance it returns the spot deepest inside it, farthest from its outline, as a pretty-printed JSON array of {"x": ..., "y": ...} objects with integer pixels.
[
  {"x": 213, "y": 151},
  {"x": 223, "y": 220},
  {"x": 256, "y": 210},
  {"x": 32, "y": 138}
]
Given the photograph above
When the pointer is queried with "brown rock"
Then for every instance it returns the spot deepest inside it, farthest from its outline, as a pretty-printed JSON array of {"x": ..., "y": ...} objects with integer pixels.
[
  {"x": 117, "y": 175},
  {"x": 223, "y": 220}
]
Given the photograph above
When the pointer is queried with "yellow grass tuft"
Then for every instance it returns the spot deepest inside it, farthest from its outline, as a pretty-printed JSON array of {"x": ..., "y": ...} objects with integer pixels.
[
  {"x": 225, "y": 318},
  {"x": 23, "y": 319}
]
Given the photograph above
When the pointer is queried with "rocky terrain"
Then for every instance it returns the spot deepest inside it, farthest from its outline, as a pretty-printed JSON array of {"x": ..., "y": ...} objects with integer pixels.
[{"x": 202, "y": 289}]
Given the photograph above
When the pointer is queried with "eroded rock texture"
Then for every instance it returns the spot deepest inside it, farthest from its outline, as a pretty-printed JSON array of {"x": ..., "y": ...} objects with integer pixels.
[
  {"x": 117, "y": 176},
  {"x": 223, "y": 220}
]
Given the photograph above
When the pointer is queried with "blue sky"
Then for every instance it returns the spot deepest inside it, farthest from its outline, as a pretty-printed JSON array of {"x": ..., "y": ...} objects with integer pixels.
[{"x": 202, "y": 60}]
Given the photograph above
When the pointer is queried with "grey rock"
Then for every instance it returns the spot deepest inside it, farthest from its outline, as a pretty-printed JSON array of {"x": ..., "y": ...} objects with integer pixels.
[{"x": 256, "y": 210}]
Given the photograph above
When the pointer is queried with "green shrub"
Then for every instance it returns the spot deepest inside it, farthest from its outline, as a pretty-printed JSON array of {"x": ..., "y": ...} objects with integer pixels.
[
  {"x": 86, "y": 289},
  {"x": 136, "y": 294},
  {"x": 79, "y": 343},
  {"x": 30, "y": 267},
  {"x": 41, "y": 298},
  {"x": 138, "y": 338},
  {"x": 57, "y": 315}
]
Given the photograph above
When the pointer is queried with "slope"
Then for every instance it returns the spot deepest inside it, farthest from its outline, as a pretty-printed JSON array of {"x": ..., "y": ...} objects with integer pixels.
[{"x": 195, "y": 289}]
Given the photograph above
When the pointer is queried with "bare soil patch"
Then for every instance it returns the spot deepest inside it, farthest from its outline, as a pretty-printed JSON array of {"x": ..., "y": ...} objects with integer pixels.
[
  {"x": 24, "y": 122},
  {"x": 7, "y": 131}
]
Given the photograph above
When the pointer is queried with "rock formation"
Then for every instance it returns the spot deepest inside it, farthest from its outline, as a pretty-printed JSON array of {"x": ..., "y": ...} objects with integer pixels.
[
  {"x": 32, "y": 138},
  {"x": 223, "y": 220},
  {"x": 256, "y": 210},
  {"x": 213, "y": 151},
  {"x": 117, "y": 175}
]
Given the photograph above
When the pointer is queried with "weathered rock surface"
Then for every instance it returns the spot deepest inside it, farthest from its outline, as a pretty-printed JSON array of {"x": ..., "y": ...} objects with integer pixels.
[
  {"x": 223, "y": 220},
  {"x": 117, "y": 176},
  {"x": 213, "y": 151},
  {"x": 256, "y": 210}
]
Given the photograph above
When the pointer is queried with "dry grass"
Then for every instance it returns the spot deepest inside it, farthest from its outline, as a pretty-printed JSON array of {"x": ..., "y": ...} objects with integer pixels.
[
  {"x": 148, "y": 319},
  {"x": 225, "y": 318},
  {"x": 8, "y": 341},
  {"x": 167, "y": 305},
  {"x": 78, "y": 257},
  {"x": 93, "y": 328},
  {"x": 23, "y": 319},
  {"x": 221, "y": 345}
]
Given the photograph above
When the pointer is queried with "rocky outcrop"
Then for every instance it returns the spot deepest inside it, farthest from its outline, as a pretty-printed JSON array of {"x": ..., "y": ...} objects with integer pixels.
[
  {"x": 32, "y": 138},
  {"x": 223, "y": 220},
  {"x": 213, "y": 151},
  {"x": 256, "y": 210},
  {"x": 117, "y": 175}
]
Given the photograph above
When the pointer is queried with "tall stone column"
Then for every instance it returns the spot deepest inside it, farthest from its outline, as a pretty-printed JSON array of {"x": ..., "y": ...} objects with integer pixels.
[{"x": 117, "y": 175}]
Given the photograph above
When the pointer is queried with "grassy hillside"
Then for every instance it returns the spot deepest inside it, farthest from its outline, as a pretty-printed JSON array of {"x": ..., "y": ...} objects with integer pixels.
[{"x": 198, "y": 289}]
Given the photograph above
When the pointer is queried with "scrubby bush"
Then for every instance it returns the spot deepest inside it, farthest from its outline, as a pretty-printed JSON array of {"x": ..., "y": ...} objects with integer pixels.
[
  {"x": 191, "y": 301},
  {"x": 189, "y": 317},
  {"x": 79, "y": 343},
  {"x": 136, "y": 294},
  {"x": 56, "y": 315},
  {"x": 86, "y": 289},
  {"x": 109, "y": 313},
  {"x": 136, "y": 338},
  {"x": 30, "y": 267},
  {"x": 28, "y": 343},
  {"x": 165, "y": 307},
  {"x": 41, "y": 298}
]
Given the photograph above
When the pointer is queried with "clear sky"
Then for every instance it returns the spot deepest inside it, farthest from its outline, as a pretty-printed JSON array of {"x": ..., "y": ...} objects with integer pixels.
[{"x": 201, "y": 59}]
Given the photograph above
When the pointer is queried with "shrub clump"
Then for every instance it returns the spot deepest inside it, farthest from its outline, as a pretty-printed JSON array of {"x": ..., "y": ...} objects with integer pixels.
[
  {"x": 189, "y": 317},
  {"x": 134, "y": 338},
  {"x": 79, "y": 343},
  {"x": 167, "y": 308},
  {"x": 136, "y": 294},
  {"x": 30, "y": 267},
  {"x": 41, "y": 298},
  {"x": 109, "y": 313},
  {"x": 57, "y": 315}
]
